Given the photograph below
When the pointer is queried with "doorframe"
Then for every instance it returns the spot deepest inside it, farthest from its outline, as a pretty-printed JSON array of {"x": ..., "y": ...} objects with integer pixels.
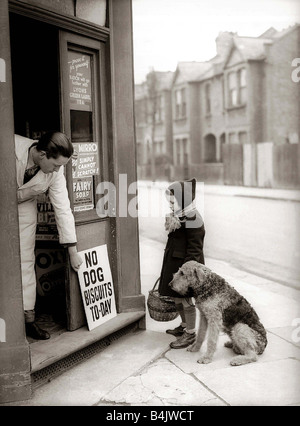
[
  {"x": 65, "y": 22},
  {"x": 98, "y": 50}
]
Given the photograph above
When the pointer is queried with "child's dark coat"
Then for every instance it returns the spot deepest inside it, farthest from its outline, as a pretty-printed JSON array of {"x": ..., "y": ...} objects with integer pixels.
[{"x": 184, "y": 244}]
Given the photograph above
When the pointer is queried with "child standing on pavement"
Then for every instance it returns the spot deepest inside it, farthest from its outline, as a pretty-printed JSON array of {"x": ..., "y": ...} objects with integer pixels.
[{"x": 186, "y": 232}]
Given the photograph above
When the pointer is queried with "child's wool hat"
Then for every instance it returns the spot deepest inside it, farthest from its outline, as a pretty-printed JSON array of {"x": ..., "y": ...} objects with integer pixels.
[{"x": 183, "y": 191}]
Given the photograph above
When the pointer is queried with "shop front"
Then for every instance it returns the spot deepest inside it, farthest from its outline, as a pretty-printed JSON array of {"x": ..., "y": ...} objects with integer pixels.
[{"x": 67, "y": 66}]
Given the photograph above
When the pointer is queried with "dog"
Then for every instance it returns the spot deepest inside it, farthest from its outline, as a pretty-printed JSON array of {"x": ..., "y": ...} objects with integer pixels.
[{"x": 220, "y": 306}]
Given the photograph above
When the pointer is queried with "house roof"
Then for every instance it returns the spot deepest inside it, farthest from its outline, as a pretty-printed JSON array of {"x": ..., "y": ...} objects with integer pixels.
[
  {"x": 273, "y": 34},
  {"x": 164, "y": 81},
  {"x": 254, "y": 48},
  {"x": 251, "y": 47},
  {"x": 140, "y": 91},
  {"x": 191, "y": 71}
]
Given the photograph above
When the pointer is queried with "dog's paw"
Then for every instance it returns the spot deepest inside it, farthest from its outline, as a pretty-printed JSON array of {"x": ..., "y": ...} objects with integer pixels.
[
  {"x": 193, "y": 348},
  {"x": 204, "y": 359},
  {"x": 241, "y": 360}
]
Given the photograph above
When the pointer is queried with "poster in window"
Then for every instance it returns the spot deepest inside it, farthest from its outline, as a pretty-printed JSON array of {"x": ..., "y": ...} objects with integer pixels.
[
  {"x": 85, "y": 161},
  {"x": 46, "y": 229},
  {"x": 83, "y": 197},
  {"x": 80, "y": 80}
]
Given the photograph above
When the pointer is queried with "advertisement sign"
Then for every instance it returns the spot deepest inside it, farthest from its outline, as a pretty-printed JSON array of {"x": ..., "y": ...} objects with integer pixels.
[
  {"x": 85, "y": 162},
  {"x": 50, "y": 266},
  {"x": 96, "y": 286},
  {"x": 79, "y": 81},
  {"x": 83, "y": 197},
  {"x": 46, "y": 229}
]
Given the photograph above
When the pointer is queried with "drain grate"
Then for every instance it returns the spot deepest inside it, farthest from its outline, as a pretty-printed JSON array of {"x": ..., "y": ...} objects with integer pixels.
[{"x": 46, "y": 374}]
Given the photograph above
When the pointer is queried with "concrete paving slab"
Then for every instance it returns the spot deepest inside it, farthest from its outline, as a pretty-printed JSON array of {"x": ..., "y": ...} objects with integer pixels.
[
  {"x": 257, "y": 384},
  {"x": 276, "y": 349},
  {"x": 88, "y": 382},
  {"x": 290, "y": 334},
  {"x": 162, "y": 381}
]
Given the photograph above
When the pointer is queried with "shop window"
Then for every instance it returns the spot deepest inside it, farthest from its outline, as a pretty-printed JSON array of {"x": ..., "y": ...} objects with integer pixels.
[
  {"x": 91, "y": 10},
  {"x": 84, "y": 120},
  {"x": 85, "y": 162}
]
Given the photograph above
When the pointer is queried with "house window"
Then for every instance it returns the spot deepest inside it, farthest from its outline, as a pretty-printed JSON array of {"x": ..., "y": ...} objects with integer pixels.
[
  {"x": 182, "y": 155},
  {"x": 180, "y": 103},
  {"x": 232, "y": 88},
  {"x": 237, "y": 88},
  {"x": 243, "y": 86},
  {"x": 210, "y": 148},
  {"x": 207, "y": 99},
  {"x": 158, "y": 148},
  {"x": 242, "y": 138},
  {"x": 159, "y": 109},
  {"x": 223, "y": 93},
  {"x": 185, "y": 151},
  {"x": 232, "y": 138},
  {"x": 178, "y": 156},
  {"x": 222, "y": 143}
]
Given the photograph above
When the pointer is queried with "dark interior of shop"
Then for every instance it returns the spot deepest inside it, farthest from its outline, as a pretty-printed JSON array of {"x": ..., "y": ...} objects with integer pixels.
[{"x": 36, "y": 98}]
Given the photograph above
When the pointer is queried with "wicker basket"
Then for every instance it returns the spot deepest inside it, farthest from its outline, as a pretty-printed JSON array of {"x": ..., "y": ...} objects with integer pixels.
[{"x": 161, "y": 308}]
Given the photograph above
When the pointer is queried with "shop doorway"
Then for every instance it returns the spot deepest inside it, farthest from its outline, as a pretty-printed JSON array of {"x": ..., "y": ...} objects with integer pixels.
[
  {"x": 59, "y": 83},
  {"x": 36, "y": 99}
]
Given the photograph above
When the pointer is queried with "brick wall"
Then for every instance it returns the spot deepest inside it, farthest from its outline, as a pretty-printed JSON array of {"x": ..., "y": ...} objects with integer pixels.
[{"x": 283, "y": 93}]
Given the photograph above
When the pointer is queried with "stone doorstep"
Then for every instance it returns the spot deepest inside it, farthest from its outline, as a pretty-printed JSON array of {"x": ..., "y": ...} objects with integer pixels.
[{"x": 47, "y": 352}]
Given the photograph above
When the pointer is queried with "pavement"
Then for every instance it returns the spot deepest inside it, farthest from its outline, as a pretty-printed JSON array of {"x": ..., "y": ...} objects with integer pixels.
[
  {"x": 140, "y": 369},
  {"x": 238, "y": 191}
]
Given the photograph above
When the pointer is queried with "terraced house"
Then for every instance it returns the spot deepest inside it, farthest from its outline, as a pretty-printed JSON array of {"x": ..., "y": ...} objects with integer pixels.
[{"x": 235, "y": 118}]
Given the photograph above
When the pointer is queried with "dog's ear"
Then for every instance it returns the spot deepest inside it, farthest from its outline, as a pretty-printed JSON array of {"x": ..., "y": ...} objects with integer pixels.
[{"x": 199, "y": 273}]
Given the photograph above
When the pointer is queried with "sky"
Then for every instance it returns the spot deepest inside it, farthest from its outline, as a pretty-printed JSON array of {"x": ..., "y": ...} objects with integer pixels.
[{"x": 166, "y": 32}]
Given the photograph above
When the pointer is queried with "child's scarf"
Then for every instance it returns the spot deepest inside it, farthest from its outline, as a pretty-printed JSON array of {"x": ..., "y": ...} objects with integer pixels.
[{"x": 175, "y": 219}]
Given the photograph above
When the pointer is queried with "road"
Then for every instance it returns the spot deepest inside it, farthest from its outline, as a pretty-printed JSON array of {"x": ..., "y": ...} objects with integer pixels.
[{"x": 258, "y": 235}]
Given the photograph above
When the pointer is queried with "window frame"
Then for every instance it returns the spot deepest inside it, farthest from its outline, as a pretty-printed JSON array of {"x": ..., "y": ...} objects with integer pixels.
[{"x": 236, "y": 88}]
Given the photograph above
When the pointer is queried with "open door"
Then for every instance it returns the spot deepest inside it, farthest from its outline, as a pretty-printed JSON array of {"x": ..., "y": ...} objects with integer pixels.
[{"x": 83, "y": 118}]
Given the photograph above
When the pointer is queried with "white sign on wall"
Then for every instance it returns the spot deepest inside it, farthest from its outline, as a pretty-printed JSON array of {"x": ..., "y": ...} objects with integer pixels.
[{"x": 96, "y": 286}]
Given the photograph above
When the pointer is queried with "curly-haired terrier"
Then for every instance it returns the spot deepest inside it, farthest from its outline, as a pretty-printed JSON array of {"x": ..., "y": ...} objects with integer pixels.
[{"x": 220, "y": 306}]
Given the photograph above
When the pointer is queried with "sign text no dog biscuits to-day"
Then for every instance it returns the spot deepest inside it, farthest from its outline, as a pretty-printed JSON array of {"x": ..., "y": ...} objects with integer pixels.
[{"x": 96, "y": 286}]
